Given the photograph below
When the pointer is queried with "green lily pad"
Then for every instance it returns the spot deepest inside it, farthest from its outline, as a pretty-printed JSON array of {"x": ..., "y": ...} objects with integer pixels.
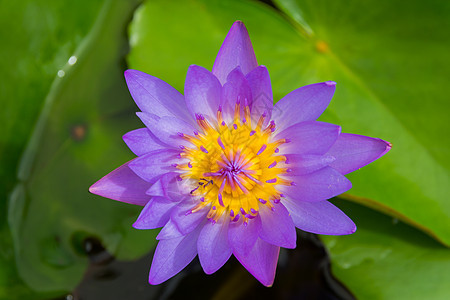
[
  {"x": 37, "y": 41},
  {"x": 38, "y": 38},
  {"x": 76, "y": 141},
  {"x": 386, "y": 66},
  {"x": 393, "y": 60},
  {"x": 387, "y": 259}
]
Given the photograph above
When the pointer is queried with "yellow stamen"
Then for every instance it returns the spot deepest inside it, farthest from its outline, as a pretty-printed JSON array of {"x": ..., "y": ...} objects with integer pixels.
[{"x": 235, "y": 168}]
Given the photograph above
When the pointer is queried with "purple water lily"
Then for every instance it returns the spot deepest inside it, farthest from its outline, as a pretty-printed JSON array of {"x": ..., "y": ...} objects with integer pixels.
[{"x": 224, "y": 172}]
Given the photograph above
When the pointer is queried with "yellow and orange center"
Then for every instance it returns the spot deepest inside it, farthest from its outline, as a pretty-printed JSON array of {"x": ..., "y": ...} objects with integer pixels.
[{"x": 234, "y": 167}]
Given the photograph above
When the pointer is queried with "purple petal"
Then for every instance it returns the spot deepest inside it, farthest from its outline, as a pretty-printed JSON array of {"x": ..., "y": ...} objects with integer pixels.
[
  {"x": 166, "y": 187},
  {"x": 320, "y": 185},
  {"x": 277, "y": 227},
  {"x": 319, "y": 217},
  {"x": 123, "y": 185},
  {"x": 304, "y": 104},
  {"x": 169, "y": 231},
  {"x": 154, "y": 164},
  {"x": 185, "y": 221},
  {"x": 310, "y": 137},
  {"x": 242, "y": 238},
  {"x": 155, "y": 214},
  {"x": 354, "y": 151},
  {"x": 259, "y": 81},
  {"x": 167, "y": 129},
  {"x": 202, "y": 92},
  {"x": 236, "y": 51},
  {"x": 142, "y": 141},
  {"x": 261, "y": 261},
  {"x": 159, "y": 188},
  {"x": 155, "y": 96},
  {"x": 172, "y": 256},
  {"x": 212, "y": 245},
  {"x": 305, "y": 164},
  {"x": 236, "y": 88}
]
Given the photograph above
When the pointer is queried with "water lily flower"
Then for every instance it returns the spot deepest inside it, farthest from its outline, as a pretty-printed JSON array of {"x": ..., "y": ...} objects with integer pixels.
[{"x": 225, "y": 172}]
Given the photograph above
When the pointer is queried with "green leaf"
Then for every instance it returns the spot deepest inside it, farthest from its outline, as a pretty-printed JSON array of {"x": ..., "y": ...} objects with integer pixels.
[
  {"x": 387, "y": 259},
  {"x": 167, "y": 51},
  {"x": 37, "y": 40},
  {"x": 393, "y": 62},
  {"x": 385, "y": 65},
  {"x": 76, "y": 141}
]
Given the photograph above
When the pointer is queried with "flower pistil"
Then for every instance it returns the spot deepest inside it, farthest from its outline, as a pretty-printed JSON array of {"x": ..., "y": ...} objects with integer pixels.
[{"x": 234, "y": 167}]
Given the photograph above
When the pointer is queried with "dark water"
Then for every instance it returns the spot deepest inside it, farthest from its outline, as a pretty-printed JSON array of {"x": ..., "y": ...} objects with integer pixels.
[{"x": 302, "y": 273}]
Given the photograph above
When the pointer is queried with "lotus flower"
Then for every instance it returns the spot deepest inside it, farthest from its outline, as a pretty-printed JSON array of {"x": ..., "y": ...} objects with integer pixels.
[{"x": 225, "y": 172}]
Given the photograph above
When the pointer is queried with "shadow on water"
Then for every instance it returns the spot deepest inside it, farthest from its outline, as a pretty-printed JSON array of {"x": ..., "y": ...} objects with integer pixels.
[{"x": 302, "y": 273}]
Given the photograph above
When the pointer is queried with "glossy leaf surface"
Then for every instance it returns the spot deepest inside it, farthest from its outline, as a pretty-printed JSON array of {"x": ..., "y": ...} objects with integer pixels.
[{"x": 343, "y": 45}]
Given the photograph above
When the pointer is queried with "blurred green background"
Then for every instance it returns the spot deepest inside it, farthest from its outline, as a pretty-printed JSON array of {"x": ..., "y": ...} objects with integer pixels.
[{"x": 65, "y": 106}]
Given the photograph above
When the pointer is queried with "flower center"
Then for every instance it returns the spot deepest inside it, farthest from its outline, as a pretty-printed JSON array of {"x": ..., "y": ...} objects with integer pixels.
[{"x": 234, "y": 167}]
